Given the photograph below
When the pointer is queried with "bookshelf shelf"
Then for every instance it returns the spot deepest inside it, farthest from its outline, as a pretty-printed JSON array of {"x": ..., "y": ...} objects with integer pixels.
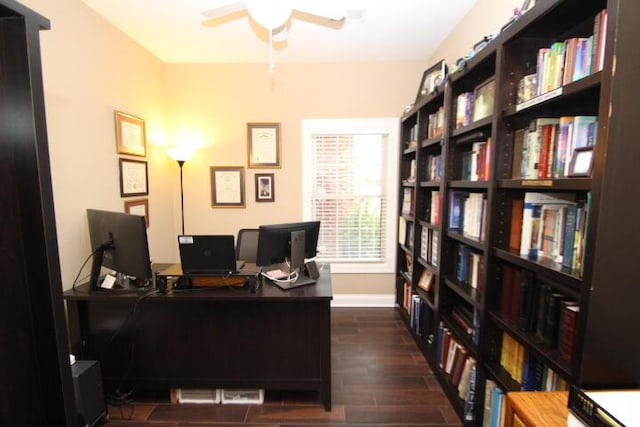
[
  {"x": 569, "y": 184},
  {"x": 543, "y": 267},
  {"x": 466, "y": 292},
  {"x": 590, "y": 225},
  {"x": 550, "y": 357}
]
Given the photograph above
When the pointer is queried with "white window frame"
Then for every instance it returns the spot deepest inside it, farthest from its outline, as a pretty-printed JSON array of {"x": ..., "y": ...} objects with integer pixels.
[{"x": 383, "y": 126}]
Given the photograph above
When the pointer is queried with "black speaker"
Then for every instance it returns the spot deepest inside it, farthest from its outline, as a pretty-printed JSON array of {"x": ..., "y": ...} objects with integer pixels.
[
  {"x": 89, "y": 395},
  {"x": 312, "y": 270}
]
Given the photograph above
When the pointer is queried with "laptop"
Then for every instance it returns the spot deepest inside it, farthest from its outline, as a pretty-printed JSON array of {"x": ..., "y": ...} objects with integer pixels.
[{"x": 208, "y": 255}]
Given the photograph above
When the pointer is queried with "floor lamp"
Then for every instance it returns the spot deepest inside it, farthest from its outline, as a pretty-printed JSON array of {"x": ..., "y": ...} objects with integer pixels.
[{"x": 180, "y": 155}]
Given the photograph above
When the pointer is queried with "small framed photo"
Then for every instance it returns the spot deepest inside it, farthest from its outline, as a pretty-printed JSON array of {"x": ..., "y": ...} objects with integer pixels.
[
  {"x": 134, "y": 178},
  {"x": 138, "y": 207},
  {"x": 130, "y": 135},
  {"x": 483, "y": 99},
  {"x": 263, "y": 145},
  {"x": 431, "y": 79},
  {"x": 227, "y": 187},
  {"x": 581, "y": 162},
  {"x": 265, "y": 191}
]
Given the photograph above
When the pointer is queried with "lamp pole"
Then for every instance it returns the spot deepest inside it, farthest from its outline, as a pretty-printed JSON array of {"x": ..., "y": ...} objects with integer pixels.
[{"x": 180, "y": 163}]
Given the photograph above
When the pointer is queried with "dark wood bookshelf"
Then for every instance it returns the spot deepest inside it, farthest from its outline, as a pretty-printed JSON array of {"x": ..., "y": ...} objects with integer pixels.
[
  {"x": 599, "y": 284},
  {"x": 34, "y": 363}
]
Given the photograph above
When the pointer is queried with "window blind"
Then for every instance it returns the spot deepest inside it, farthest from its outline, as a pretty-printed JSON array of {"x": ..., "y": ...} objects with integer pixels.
[{"x": 349, "y": 197}]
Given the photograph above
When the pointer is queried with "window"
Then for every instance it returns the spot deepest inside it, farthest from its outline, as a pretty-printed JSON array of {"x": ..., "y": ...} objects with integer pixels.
[{"x": 350, "y": 171}]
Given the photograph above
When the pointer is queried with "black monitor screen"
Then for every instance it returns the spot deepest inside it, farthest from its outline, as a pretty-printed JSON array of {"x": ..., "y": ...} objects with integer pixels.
[
  {"x": 274, "y": 241},
  {"x": 119, "y": 242}
]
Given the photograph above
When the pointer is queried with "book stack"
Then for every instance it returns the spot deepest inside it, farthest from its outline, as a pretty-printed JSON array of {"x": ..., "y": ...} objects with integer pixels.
[
  {"x": 413, "y": 137},
  {"x": 566, "y": 61},
  {"x": 456, "y": 362},
  {"x": 526, "y": 369},
  {"x": 435, "y": 128},
  {"x": 407, "y": 202},
  {"x": 494, "y": 405},
  {"x": 429, "y": 245},
  {"x": 433, "y": 208},
  {"x": 433, "y": 170},
  {"x": 464, "y": 109},
  {"x": 568, "y": 324},
  {"x": 468, "y": 266},
  {"x": 475, "y": 162},
  {"x": 467, "y": 213},
  {"x": 553, "y": 227},
  {"x": 544, "y": 150}
]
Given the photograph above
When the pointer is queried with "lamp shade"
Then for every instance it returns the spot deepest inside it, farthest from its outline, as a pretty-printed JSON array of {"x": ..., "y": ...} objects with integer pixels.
[
  {"x": 180, "y": 153},
  {"x": 269, "y": 14}
]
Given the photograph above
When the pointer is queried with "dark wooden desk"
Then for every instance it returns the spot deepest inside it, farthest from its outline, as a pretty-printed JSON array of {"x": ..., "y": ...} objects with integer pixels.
[{"x": 208, "y": 338}]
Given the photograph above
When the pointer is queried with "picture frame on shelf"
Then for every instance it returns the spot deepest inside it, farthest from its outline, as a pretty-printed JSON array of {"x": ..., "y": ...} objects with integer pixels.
[
  {"x": 130, "y": 134},
  {"x": 227, "y": 187},
  {"x": 138, "y": 207},
  {"x": 263, "y": 145},
  {"x": 483, "y": 99},
  {"x": 265, "y": 189},
  {"x": 581, "y": 163},
  {"x": 431, "y": 79},
  {"x": 134, "y": 178}
]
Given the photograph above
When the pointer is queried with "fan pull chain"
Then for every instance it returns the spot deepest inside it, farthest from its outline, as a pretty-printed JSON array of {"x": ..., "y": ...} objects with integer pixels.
[{"x": 271, "y": 65}]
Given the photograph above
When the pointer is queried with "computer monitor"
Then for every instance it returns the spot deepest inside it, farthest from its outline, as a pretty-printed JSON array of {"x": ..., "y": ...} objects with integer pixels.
[
  {"x": 119, "y": 242},
  {"x": 275, "y": 242}
]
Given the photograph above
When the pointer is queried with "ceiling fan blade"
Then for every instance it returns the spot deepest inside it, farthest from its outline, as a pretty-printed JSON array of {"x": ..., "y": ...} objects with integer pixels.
[
  {"x": 224, "y": 10},
  {"x": 331, "y": 11}
]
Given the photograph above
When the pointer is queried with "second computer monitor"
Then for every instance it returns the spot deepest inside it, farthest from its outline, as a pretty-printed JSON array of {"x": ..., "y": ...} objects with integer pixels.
[{"x": 275, "y": 244}]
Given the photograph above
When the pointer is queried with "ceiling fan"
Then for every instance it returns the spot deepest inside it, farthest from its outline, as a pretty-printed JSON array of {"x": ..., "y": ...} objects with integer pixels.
[{"x": 274, "y": 15}]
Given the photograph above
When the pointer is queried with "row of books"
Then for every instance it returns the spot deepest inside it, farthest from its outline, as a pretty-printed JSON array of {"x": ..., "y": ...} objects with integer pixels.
[
  {"x": 435, "y": 128},
  {"x": 433, "y": 168},
  {"x": 468, "y": 266},
  {"x": 421, "y": 318},
  {"x": 464, "y": 109},
  {"x": 526, "y": 369},
  {"x": 429, "y": 245},
  {"x": 545, "y": 149},
  {"x": 536, "y": 307},
  {"x": 407, "y": 202},
  {"x": 476, "y": 162},
  {"x": 572, "y": 59},
  {"x": 432, "y": 214},
  {"x": 553, "y": 226},
  {"x": 413, "y": 137},
  {"x": 467, "y": 213},
  {"x": 494, "y": 405},
  {"x": 405, "y": 233},
  {"x": 459, "y": 367},
  {"x": 466, "y": 318}
]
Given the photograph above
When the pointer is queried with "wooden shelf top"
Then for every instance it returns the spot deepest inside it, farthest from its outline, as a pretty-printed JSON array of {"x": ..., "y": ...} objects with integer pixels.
[{"x": 540, "y": 409}]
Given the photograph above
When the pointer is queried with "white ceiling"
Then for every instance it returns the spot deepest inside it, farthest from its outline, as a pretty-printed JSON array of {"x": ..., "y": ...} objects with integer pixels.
[{"x": 390, "y": 30}]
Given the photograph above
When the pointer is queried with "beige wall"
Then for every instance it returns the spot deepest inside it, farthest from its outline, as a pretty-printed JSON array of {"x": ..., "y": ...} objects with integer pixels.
[
  {"x": 485, "y": 17},
  {"x": 91, "y": 69},
  {"x": 216, "y": 102}
]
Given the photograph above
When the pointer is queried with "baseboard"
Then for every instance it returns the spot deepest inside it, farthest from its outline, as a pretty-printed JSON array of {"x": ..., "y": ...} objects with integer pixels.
[{"x": 363, "y": 300}]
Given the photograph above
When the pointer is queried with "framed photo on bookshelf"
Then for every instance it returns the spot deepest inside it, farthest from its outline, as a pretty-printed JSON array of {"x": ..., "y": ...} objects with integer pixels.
[
  {"x": 581, "y": 162},
  {"x": 134, "y": 178},
  {"x": 130, "y": 134},
  {"x": 431, "y": 79},
  {"x": 483, "y": 99},
  {"x": 426, "y": 280}
]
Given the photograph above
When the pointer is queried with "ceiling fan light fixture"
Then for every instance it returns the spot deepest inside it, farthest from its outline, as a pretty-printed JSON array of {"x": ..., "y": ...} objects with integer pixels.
[{"x": 270, "y": 15}]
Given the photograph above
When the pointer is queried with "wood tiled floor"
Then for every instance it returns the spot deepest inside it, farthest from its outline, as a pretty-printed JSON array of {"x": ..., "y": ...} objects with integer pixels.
[{"x": 379, "y": 378}]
